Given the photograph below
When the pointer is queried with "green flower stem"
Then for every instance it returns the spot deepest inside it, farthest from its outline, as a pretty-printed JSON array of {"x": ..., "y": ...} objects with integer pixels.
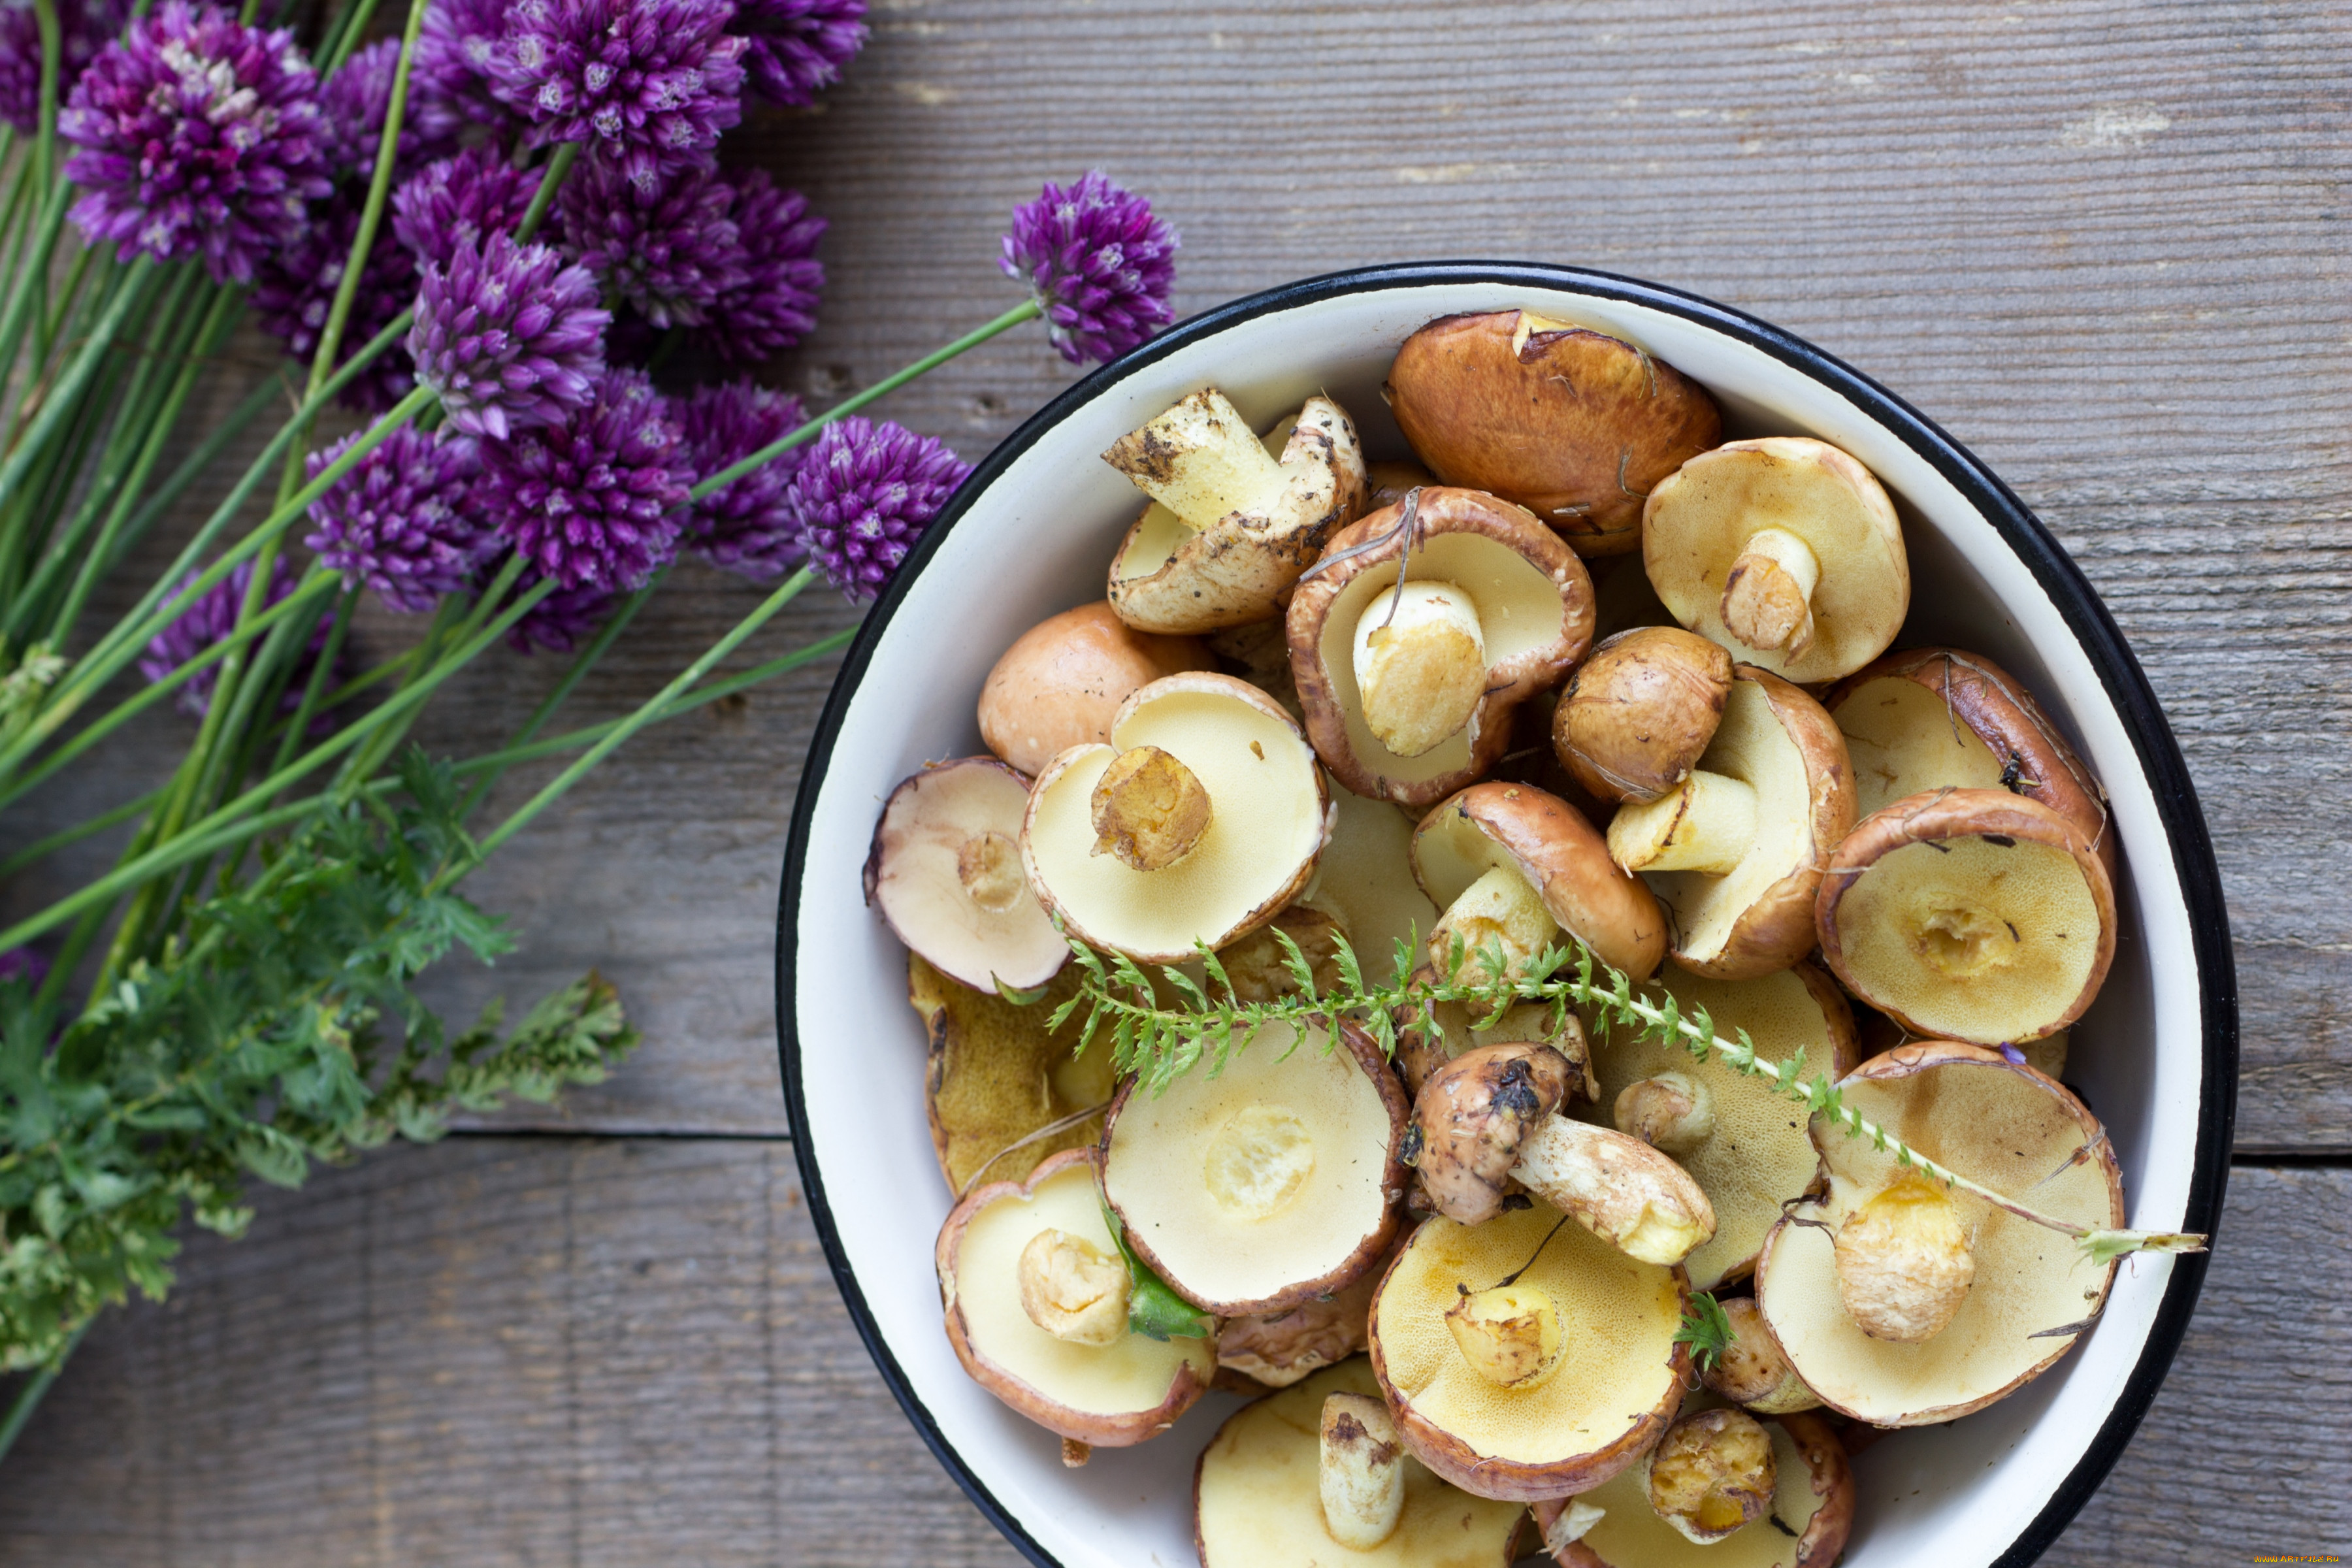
[
  {"x": 585, "y": 660},
  {"x": 453, "y": 625},
  {"x": 544, "y": 197},
  {"x": 45, "y": 137},
  {"x": 47, "y": 329},
  {"x": 315, "y": 687},
  {"x": 41, "y": 849},
  {"x": 63, "y": 395},
  {"x": 351, "y": 28},
  {"x": 32, "y": 267}
]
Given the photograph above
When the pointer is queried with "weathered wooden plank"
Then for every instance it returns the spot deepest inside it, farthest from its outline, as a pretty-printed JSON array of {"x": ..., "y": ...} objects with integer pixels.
[{"x": 579, "y": 1349}]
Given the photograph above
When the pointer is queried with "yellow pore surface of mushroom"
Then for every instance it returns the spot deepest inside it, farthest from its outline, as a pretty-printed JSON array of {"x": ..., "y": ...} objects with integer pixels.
[
  {"x": 1266, "y": 820},
  {"x": 1903, "y": 740},
  {"x": 1258, "y": 1500},
  {"x": 995, "y": 1078},
  {"x": 1616, "y": 1317},
  {"x": 1630, "y": 1535},
  {"x": 1129, "y": 1373},
  {"x": 1241, "y": 1187},
  {"x": 2001, "y": 1125},
  {"x": 1759, "y": 1153},
  {"x": 1365, "y": 879}
]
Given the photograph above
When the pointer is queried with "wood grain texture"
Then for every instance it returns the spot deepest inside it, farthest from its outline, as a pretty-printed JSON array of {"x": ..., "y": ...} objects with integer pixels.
[{"x": 629, "y": 1352}]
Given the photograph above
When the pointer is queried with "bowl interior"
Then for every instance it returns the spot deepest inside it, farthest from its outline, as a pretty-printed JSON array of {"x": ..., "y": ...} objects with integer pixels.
[{"x": 1036, "y": 537}]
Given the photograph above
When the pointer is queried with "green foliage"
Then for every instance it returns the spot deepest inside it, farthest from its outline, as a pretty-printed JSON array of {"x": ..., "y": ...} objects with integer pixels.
[
  {"x": 1706, "y": 1329},
  {"x": 278, "y": 1030},
  {"x": 1153, "y": 1309}
]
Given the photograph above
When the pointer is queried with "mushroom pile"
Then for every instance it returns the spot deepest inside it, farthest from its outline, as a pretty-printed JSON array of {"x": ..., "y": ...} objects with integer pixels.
[{"x": 1516, "y": 1277}]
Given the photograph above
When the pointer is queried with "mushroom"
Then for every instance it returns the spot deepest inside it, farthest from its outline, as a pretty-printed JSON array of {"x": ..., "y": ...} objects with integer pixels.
[
  {"x": 944, "y": 871},
  {"x": 1753, "y": 1371},
  {"x": 1062, "y": 681},
  {"x": 1420, "y": 1050},
  {"x": 1571, "y": 424},
  {"x": 1619, "y": 1375},
  {"x": 1385, "y": 484},
  {"x": 1231, "y": 525},
  {"x": 1784, "y": 549},
  {"x": 1268, "y": 1183},
  {"x": 998, "y": 1085},
  {"x": 1969, "y": 914},
  {"x": 1936, "y": 717},
  {"x": 1409, "y": 689},
  {"x": 1889, "y": 1249},
  {"x": 1509, "y": 863},
  {"x": 1034, "y": 1294},
  {"x": 1639, "y": 713},
  {"x": 1258, "y": 653},
  {"x": 2046, "y": 1056},
  {"x": 1489, "y": 1118},
  {"x": 1313, "y": 1477},
  {"x": 1257, "y": 967},
  {"x": 1736, "y": 850},
  {"x": 1805, "y": 1525},
  {"x": 1714, "y": 1472},
  {"x": 1739, "y": 1138},
  {"x": 1276, "y": 1349},
  {"x": 1365, "y": 879},
  {"x": 1197, "y": 823}
]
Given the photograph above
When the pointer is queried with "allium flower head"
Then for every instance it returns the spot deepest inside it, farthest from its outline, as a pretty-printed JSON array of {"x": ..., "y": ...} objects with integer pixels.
[
  {"x": 558, "y": 622},
  {"x": 461, "y": 197},
  {"x": 667, "y": 243},
  {"x": 196, "y": 135},
  {"x": 798, "y": 47},
  {"x": 450, "y": 82},
  {"x": 401, "y": 521},
  {"x": 508, "y": 335},
  {"x": 864, "y": 495},
  {"x": 597, "y": 501},
  {"x": 1099, "y": 263},
  {"x": 356, "y": 98},
  {"x": 210, "y": 619},
  {"x": 772, "y": 301},
  {"x": 649, "y": 81},
  {"x": 84, "y": 27},
  {"x": 294, "y": 288},
  {"x": 746, "y": 526}
]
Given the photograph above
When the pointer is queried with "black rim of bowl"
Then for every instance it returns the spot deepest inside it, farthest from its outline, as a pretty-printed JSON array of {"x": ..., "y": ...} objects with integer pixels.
[{"x": 2086, "y": 616}]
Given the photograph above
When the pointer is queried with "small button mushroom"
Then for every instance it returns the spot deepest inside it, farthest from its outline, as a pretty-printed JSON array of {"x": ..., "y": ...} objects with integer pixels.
[
  {"x": 1074, "y": 1289},
  {"x": 1639, "y": 713},
  {"x": 1489, "y": 1117},
  {"x": 1903, "y": 1262},
  {"x": 1753, "y": 1370},
  {"x": 1574, "y": 425},
  {"x": 1785, "y": 550},
  {"x": 1713, "y": 1473},
  {"x": 1672, "y": 1113},
  {"x": 944, "y": 872},
  {"x": 1062, "y": 681},
  {"x": 1233, "y": 522},
  {"x": 1409, "y": 691},
  {"x": 1360, "y": 1477},
  {"x": 1510, "y": 1333},
  {"x": 1969, "y": 914}
]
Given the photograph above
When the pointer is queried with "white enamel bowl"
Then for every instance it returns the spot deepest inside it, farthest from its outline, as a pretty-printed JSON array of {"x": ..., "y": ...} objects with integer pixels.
[{"x": 1033, "y": 533}]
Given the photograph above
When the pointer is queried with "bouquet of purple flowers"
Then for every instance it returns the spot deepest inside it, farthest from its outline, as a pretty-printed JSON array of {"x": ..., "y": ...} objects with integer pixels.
[{"x": 489, "y": 236}]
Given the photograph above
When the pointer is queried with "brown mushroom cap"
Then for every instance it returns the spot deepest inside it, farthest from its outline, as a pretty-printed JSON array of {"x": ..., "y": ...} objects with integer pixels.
[
  {"x": 1573, "y": 425},
  {"x": 1970, "y": 914},
  {"x": 1753, "y": 1371},
  {"x": 995, "y": 1078},
  {"x": 1266, "y": 1184},
  {"x": 1471, "y": 1117},
  {"x": 1974, "y": 1112},
  {"x": 1638, "y": 715},
  {"x": 1757, "y": 917},
  {"x": 1386, "y": 484},
  {"x": 1533, "y": 601},
  {"x": 1109, "y": 1396},
  {"x": 1560, "y": 854},
  {"x": 1621, "y": 1375},
  {"x": 1936, "y": 717},
  {"x": 1813, "y": 1501},
  {"x": 944, "y": 871},
  {"x": 1062, "y": 681}
]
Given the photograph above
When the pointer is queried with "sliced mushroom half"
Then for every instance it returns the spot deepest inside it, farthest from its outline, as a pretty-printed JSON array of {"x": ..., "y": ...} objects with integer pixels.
[
  {"x": 1785, "y": 550},
  {"x": 1268, "y": 1183},
  {"x": 1970, "y": 914},
  {"x": 1572, "y": 424},
  {"x": 1234, "y": 518},
  {"x": 1409, "y": 691},
  {"x": 1736, "y": 850},
  {"x": 944, "y": 869},
  {"x": 1903, "y": 1304},
  {"x": 1062, "y": 681},
  {"x": 1313, "y": 1478},
  {"x": 1002, "y": 1090},
  {"x": 1200, "y": 820},
  {"x": 1035, "y": 1297}
]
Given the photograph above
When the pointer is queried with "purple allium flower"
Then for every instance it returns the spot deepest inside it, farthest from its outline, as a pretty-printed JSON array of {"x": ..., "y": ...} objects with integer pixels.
[
  {"x": 1100, "y": 264},
  {"x": 2015, "y": 1056},
  {"x": 400, "y": 520},
  {"x": 461, "y": 197},
  {"x": 559, "y": 622},
  {"x": 773, "y": 301},
  {"x": 294, "y": 288},
  {"x": 508, "y": 335},
  {"x": 798, "y": 47},
  {"x": 450, "y": 81},
  {"x": 864, "y": 495},
  {"x": 746, "y": 526},
  {"x": 596, "y": 501},
  {"x": 648, "y": 80},
  {"x": 83, "y": 28},
  {"x": 667, "y": 244},
  {"x": 26, "y": 964},
  {"x": 197, "y": 136},
  {"x": 356, "y": 98},
  {"x": 209, "y": 619}
]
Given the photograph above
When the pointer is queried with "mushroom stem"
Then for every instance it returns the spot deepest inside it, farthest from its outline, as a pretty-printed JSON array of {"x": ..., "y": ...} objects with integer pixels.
[
  {"x": 1576, "y": 1516},
  {"x": 987, "y": 866},
  {"x": 1509, "y": 1334},
  {"x": 1713, "y": 1473},
  {"x": 1201, "y": 460},
  {"x": 1149, "y": 809},
  {"x": 1362, "y": 1471},
  {"x": 1420, "y": 666},
  {"x": 1768, "y": 593},
  {"x": 1903, "y": 1262},
  {"x": 1673, "y": 1111},
  {"x": 1619, "y": 1188},
  {"x": 1707, "y": 822},
  {"x": 1073, "y": 1290},
  {"x": 1500, "y": 909}
]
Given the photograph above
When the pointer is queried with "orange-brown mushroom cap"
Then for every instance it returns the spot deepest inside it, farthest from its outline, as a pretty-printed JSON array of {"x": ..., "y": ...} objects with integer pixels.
[
  {"x": 1062, "y": 681},
  {"x": 1562, "y": 856}
]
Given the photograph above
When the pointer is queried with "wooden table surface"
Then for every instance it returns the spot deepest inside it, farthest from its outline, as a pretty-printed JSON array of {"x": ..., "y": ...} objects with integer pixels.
[{"x": 2100, "y": 241}]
